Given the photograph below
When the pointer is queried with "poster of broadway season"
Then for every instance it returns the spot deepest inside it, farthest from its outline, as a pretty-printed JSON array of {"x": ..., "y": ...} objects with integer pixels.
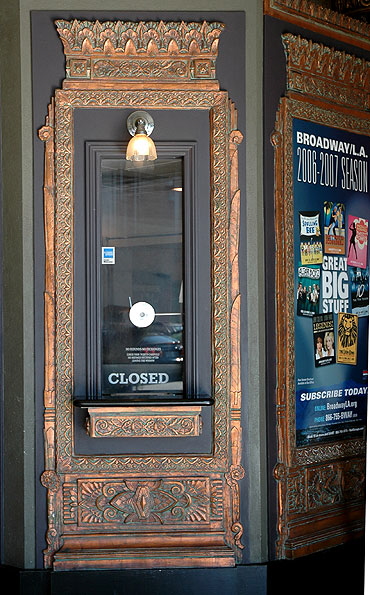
[
  {"x": 358, "y": 230},
  {"x": 323, "y": 339},
  {"x": 347, "y": 338},
  {"x": 331, "y": 179},
  {"x": 308, "y": 290},
  {"x": 311, "y": 244},
  {"x": 334, "y": 227},
  {"x": 359, "y": 289}
]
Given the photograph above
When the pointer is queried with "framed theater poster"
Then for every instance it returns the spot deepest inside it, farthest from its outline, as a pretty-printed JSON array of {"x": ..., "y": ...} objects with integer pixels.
[{"x": 322, "y": 209}]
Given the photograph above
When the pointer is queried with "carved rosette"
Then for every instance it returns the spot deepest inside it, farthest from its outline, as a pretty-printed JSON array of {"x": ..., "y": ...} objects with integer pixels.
[{"x": 135, "y": 52}]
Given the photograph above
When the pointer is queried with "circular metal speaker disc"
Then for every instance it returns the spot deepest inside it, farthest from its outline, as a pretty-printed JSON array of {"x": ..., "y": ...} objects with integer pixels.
[{"x": 141, "y": 314}]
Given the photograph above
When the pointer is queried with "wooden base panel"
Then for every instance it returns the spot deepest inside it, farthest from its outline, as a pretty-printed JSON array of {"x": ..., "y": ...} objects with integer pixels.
[
  {"x": 144, "y": 558},
  {"x": 329, "y": 532},
  {"x": 298, "y": 548}
]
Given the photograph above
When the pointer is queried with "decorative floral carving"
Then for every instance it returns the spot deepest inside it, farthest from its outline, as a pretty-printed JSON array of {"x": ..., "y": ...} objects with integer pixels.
[
  {"x": 324, "y": 486},
  {"x": 131, "y": 51},
  {"x": 160, "y": 501},
  {"x": 336, "y": 484},
  {"x": 150, "y": 37},
  {"x": 140, "y": 69},
  {"x": 317, "y": 70},
  {"x": 296, "y": 492},
  {"x": 144, "y": 424}
]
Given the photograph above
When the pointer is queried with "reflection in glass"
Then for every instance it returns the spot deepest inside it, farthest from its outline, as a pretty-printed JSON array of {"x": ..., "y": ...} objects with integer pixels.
[{"x": 142, "y": 276}]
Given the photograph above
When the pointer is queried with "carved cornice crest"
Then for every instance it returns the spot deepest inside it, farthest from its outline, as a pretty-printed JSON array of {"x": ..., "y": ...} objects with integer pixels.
[
  {"x": 325, "y": 73},
  {"x": 322, "y": 19},
  {"x": 152, "y": 38},
  {"x": 137, "y": 51}
]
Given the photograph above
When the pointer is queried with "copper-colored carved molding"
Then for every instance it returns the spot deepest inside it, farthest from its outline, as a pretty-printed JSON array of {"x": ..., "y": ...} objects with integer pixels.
[
  {"x": 317, "y": 16},
  {"x": 324, "y": 73},
  {"x": 320, "y": 487},
  {"x": 142, "y": 510},
  {"x": 139, "y": 422},
  {"x": 137, "y": 52}
]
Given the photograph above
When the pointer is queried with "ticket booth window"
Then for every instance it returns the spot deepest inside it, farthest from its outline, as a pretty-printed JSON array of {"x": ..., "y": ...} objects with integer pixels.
[
  {"x": 142, "y": 303},
  {"x": 147, "y": 280},
  {"x": 141, "y": 277}
]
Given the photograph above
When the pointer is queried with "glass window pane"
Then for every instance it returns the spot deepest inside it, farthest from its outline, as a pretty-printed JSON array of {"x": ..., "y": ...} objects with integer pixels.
[{"x": 141, "y": 279}]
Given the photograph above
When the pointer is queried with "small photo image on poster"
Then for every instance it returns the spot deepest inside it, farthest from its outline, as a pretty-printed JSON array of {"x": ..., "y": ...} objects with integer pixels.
[
  {"x": 334, "y": 228},
  {"x": 347, "y": 334},
  {"x": 358, "y": 231},
  {"x": 359, "y": 287},
  {"x": 323, "y": 339},
  {"x": 308, "y": 291},
  {"x": 310, "y": 237}
]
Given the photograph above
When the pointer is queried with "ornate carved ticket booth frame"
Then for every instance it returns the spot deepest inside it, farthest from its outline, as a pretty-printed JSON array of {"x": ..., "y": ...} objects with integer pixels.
[
  {"x": 141, "y": 510},
  {"x": 321, "y": 487}
]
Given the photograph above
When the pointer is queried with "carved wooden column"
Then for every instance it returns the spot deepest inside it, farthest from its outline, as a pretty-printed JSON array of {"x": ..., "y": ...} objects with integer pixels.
[{"x": 141, "y": 510}]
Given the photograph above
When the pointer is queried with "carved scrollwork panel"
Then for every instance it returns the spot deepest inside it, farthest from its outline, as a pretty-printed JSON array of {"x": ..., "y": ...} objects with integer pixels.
[
  {"x": 155, "y": 422},
  {"x": 115, "y": 504},
  {"x": 336, "y": 484}
]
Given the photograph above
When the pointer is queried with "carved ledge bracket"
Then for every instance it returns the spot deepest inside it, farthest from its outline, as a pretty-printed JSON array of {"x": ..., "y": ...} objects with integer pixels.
[{"x": 138, "y": 422}]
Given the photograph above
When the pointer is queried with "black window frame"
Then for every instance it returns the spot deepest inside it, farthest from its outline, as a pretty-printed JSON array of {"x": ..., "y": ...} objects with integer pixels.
[{"x": 197, "y": 280}]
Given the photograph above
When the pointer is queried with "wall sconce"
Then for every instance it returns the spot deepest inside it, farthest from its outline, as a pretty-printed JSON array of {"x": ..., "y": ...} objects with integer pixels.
[{"x": 141, "y": 147}]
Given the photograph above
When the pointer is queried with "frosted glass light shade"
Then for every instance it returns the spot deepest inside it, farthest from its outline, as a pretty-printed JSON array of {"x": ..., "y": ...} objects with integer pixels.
[{"x": 141, "y": 148}]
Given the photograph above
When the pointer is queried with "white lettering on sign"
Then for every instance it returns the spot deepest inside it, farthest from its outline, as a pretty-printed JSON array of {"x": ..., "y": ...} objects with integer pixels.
[
  {"x": 135, "y": 378},
  {"x": 335, "y": 291}
]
